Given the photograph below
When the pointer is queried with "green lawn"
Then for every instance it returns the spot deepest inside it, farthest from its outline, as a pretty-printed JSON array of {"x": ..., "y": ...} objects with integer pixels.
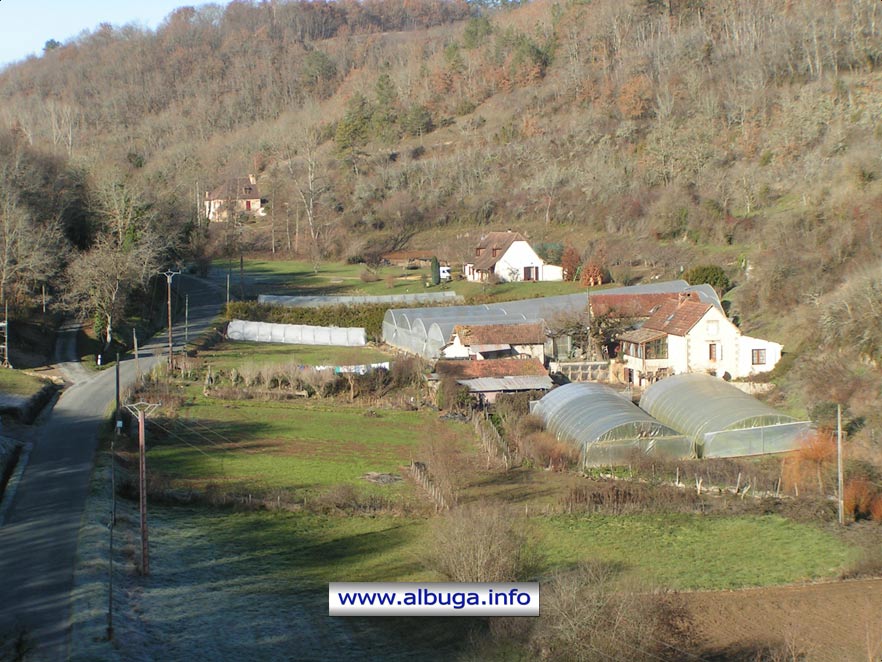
[
  {"x": 700, "y": 552},
  {"x": 14, "y": 382},
  {"x": 294, "y": 446},
  {"x": 230, "y": 354},
  {"x": 299, "y": 277},
  {"x": 680, "y": 552}
]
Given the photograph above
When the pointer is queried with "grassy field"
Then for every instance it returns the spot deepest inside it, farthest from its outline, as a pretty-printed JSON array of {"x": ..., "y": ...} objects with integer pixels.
[
  {"x": 230, "y": 354},
  {"x": 299, "y": 277},
  {"x": 292, "y": 446},
  {"x": 14, "y": 382},
  {"x": 700, "y": 552}
]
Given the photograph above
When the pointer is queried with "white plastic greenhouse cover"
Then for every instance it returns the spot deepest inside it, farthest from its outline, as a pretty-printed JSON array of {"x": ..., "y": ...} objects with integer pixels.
[
  {"x": 296, "y": 334},
  {"x": 721, "y": 420},
  {"x": 424, "y": 331},
  {"x": 605, "y": 426},
  {"x": 445, "y": 297}
]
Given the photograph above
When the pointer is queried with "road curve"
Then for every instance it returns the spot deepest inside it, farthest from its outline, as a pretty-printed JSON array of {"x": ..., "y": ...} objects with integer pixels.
[{"x": 39, "y": 538}]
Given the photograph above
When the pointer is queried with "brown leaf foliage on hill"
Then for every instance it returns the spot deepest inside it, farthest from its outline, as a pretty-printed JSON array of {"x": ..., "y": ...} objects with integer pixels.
[{"x": 746, "y": 131}]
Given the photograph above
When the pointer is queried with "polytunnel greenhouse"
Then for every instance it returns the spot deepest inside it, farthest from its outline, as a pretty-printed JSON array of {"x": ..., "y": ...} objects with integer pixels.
[
  {"x": 606, "y": 427},
  {"x": 425, "y": 331},
  {"x": 720, "y": 419},
  {"x": 317, "y": 301}
]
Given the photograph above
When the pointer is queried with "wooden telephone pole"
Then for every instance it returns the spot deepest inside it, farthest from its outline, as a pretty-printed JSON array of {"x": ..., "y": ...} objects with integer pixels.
[
  {"x": 168, "y": 278},
  {"x": 141, "y": 409}
]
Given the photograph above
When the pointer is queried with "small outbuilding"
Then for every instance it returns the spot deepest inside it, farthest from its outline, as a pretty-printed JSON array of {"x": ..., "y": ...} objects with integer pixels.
[
  {"x": 606, "y": 426},
  {"x": 487, "y": 379},
  {"x": 491, "y": 341}
]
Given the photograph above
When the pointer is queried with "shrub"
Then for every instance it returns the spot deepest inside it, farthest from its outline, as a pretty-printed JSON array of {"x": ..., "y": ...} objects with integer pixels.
[
  {"x": 858, "y": 497},
  {"x": 368, "y": 277},
  {"x": 592, "y": 613},
  {"x": 483, "y": 544},
  {"x": 711, "y": 274}
]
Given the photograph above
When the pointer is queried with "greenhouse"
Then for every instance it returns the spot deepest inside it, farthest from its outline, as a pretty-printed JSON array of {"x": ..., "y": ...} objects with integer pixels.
[
  {"x": 315, "y": 301},
  {"x": 720, "y": 419},
  {"x": 605, "y": 426},
  {"x": 296, "y": 334},
  {"x": 425, "y": 331}
]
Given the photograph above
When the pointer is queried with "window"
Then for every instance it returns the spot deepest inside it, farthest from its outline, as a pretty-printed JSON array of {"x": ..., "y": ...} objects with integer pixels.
[
  {"x": 758, "y": 357},
  {"x": 478, "y": 252},
  {"x": 712, "y": 352},
  {"x": 713, "y": 328},
  {"x": 495, "y": 252},
  {"x": 657, "y": 349}
]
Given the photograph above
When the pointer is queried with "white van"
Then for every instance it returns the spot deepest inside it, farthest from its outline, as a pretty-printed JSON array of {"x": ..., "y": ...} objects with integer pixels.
[{"x": 445, "y": 273}]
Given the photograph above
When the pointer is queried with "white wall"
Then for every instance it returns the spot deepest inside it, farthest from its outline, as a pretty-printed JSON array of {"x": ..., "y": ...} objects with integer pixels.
[
  {"x": 745, "y": 355},
  {"x": 510, "y": 266},
  {"x": 551, "y": 272},
  {"x": 536, "y": 351},
  {"x": 455, "y": 350},
  {"x": 714, "y": 329}
]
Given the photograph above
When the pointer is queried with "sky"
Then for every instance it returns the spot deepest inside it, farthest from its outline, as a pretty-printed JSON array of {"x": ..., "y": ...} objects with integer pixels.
[{"x": 26, "y": 25}]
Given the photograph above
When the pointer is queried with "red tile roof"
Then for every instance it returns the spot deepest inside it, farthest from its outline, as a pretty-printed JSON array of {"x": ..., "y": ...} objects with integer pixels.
[
  {"x": 627, "y": 305},
  {"x": 491, "y": 368},
  {"x": 677, "y": 317},
  {"x": 499, "y": 334}
]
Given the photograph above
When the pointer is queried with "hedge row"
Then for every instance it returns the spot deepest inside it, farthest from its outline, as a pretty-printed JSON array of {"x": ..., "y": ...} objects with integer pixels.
[{"x": 366, "y": 316}]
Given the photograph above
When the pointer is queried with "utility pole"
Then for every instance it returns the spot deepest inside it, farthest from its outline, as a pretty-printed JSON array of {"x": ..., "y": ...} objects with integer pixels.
[
  {"x": 141, "y": 409},
  {"x": 118, "y": 425},
  {"x": 168, "y": 278},
  {"x": 839, "y": 461},
  {"x": 137, "y": 360},
  {"x": 5, "y": 325},
  {"x": 228, "y": 288},
  {"x": 186, "y": 320}
]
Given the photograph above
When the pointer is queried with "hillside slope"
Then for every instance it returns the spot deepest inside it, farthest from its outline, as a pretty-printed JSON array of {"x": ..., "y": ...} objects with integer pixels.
[{"x": 651, "y": 136}]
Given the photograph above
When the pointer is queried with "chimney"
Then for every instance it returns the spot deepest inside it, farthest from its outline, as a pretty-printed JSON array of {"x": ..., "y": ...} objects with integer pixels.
[
  {"x": 252, "y": 179},
  {"x": 682, "y": 297}
]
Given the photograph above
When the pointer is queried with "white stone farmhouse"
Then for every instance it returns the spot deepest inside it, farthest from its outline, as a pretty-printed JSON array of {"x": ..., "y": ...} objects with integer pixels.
[
  {"x": 510, "y": 257},
  {"x": 686, "y": 335}
]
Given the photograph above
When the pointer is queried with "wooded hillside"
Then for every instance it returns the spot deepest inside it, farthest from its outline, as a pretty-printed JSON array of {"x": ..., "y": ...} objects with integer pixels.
[{"x": 651, "y": 135}]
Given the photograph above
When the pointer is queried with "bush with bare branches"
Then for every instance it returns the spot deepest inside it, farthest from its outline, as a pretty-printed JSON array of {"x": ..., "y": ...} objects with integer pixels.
[
  {"x": 483, "y": 543},
  {"x": 593, "y": 613}
]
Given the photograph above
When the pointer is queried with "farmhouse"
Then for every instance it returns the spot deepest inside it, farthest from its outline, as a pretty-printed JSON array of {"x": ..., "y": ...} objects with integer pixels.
[
  {"x": 239, "y": 195},
  {"x": 491, "y": 341},
  {"x": 689, "y": 335},
  {"x": 509, "y": 257}
]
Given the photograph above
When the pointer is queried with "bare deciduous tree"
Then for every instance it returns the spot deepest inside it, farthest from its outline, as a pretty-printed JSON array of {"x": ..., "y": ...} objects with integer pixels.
[{"x": 310, "y": 181}]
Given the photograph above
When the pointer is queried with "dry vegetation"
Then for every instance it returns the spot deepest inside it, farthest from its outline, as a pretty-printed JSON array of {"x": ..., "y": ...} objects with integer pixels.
[{"x": 646, "y": 136}]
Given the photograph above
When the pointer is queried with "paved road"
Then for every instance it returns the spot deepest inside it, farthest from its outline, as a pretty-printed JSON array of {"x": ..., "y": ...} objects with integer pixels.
[{"x": 39, "y": 539}]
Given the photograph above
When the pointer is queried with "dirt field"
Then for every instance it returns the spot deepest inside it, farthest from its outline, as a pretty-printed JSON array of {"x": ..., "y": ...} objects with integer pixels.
[{"x": 835, "y": 622}]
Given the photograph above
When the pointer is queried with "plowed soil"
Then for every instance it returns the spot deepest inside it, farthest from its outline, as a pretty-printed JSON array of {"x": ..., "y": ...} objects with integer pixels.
[{"x": 835, "y": 621}]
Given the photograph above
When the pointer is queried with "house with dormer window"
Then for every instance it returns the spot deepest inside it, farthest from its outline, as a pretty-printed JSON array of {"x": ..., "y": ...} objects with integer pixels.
[
  {"x": 685, "y": 334},
  {"x": 239, "y": 195},
  {"x": 509, "y": 257}
]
